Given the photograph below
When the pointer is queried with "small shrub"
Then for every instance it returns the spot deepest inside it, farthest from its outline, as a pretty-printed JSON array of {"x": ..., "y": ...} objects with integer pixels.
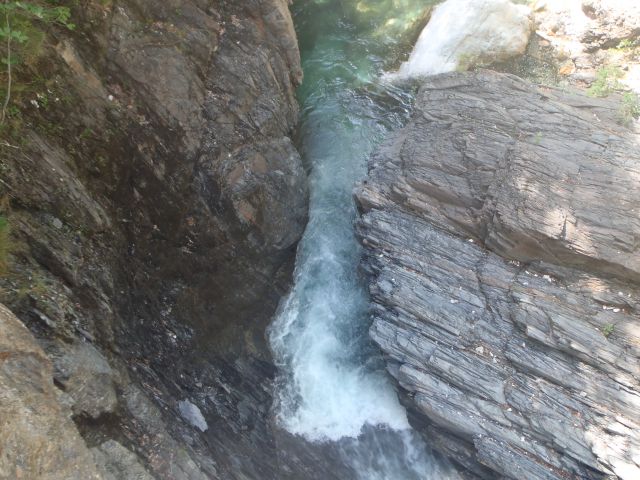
[
  {"x": 606, "y": 82},
  {"x": 86, "y": 133},
  {"x": 626, "y": 44},
  {"x": 608, "y": 329},
  {"x": 629, "y": 108},
  {"x": 537, "y": 138},
  {"x": 22, "y": 31}
]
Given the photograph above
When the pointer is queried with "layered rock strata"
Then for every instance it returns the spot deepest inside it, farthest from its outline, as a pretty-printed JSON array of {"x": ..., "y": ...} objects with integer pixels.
[
  {"x": 154, "y": 201},
  {"x": 501, "y": 230}
]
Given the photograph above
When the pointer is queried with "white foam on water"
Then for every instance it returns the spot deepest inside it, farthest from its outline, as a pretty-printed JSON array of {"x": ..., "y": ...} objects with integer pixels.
[
  {"x": 328, "y": 389},
  {"x": 332, "y": 386},
  {"x": 461, "y": 33},
  {"x": 328, "y": 399}
]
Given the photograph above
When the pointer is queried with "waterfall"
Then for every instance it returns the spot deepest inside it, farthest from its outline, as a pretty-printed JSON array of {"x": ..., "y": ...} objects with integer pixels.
[
  {"x": 320, "y": 334},
  {"x": 332, "y": 385},
  {"x": 464, "y": 33}
]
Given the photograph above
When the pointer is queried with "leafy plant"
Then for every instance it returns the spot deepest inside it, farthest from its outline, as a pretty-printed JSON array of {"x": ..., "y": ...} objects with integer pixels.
[
  {"x": 630, "y": 108},
  {"x": 537, "y": 138},
  {"x": 626, "y": 44},
  {"x": 22, "y": 28},
  {"x": 608, "y": 329},
  {"x": 607, "y": 81}
]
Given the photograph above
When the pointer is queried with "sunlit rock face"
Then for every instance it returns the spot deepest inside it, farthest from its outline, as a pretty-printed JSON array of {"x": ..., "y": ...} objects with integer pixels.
[
  {"x": 39, "y": 439},
  {"x": 588, "y": 35},
  {"x": 501, "y": 227},
  {"x": 466, "y": 33}
]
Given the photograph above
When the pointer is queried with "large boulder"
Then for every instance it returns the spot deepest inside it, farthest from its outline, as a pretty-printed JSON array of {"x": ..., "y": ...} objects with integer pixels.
[
  {"x": 466, "y": 33},
  {"x": 501, "y": 229}
]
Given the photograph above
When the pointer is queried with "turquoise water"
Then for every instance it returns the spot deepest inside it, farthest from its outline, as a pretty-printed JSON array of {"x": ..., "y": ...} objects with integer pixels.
[{"x": 332, "y": 385}]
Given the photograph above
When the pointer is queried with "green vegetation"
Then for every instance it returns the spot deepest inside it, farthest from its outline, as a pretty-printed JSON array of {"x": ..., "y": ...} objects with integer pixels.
[
  {"x": 607, "y": 81},
  {"x": 608, "y": 329},
  {"x": 86, "y": 133},
  {"x": 627, "y": 44},
  {"x": 22, "y": 31},
  {"x": 629, "y": 109},
  {"x": 537, "y": 138},
  {"x": 34, "y": 285}
]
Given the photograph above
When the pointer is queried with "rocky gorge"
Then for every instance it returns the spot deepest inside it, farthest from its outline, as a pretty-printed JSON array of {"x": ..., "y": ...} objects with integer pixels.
[{"x": 152, "y": 200}]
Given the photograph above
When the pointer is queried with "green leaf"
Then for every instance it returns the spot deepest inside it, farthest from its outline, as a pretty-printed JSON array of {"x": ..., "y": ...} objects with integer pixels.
[
  {"x": 19, "y": 36},
  {"x": 7, "y": 7},
  {"x": 9, "y": 61}
]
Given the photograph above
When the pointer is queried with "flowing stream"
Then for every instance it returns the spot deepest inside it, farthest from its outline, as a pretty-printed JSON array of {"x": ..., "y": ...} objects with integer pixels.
[{"x": 332, "y": 385}]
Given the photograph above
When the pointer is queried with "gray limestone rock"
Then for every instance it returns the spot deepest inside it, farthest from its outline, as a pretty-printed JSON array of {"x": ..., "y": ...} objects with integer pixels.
[
  {"x": 118, "y": 463},
  {"x": 39, "y": 440},
  {"x": 501, "y": 230},
  {"x": 86, "y": 377},
  {"x": 192, "y": 414}
]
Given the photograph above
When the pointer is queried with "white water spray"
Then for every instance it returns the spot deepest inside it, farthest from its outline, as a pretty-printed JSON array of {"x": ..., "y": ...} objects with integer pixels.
[
  {"x": 319, "y": 336},
  {"x": 464, "y": 33},
  {"x": 332, "y": 386}
]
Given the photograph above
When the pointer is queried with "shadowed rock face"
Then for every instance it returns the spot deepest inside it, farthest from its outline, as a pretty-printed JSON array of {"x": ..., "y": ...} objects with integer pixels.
[
  {"x": 155, "y": 200},
  {"x": 501, "y": 229}
]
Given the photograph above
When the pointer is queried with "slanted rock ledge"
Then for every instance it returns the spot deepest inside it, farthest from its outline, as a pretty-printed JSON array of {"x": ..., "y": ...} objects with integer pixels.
[{"x": 501, "y": 227}]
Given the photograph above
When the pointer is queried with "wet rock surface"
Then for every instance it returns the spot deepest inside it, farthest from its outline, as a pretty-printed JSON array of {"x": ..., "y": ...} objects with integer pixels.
[
  {"x": 154, "y": 200},
  {"x": 501, "y": 231}
]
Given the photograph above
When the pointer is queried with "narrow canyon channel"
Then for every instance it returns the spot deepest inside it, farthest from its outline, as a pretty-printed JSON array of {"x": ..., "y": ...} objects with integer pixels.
[{"x": 332, "y": 385}]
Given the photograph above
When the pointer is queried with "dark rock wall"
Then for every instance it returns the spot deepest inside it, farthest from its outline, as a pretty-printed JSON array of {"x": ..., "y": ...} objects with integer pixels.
[
  {"x": 501, "y": 230},
  {"x": 155, "y": 200}
]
